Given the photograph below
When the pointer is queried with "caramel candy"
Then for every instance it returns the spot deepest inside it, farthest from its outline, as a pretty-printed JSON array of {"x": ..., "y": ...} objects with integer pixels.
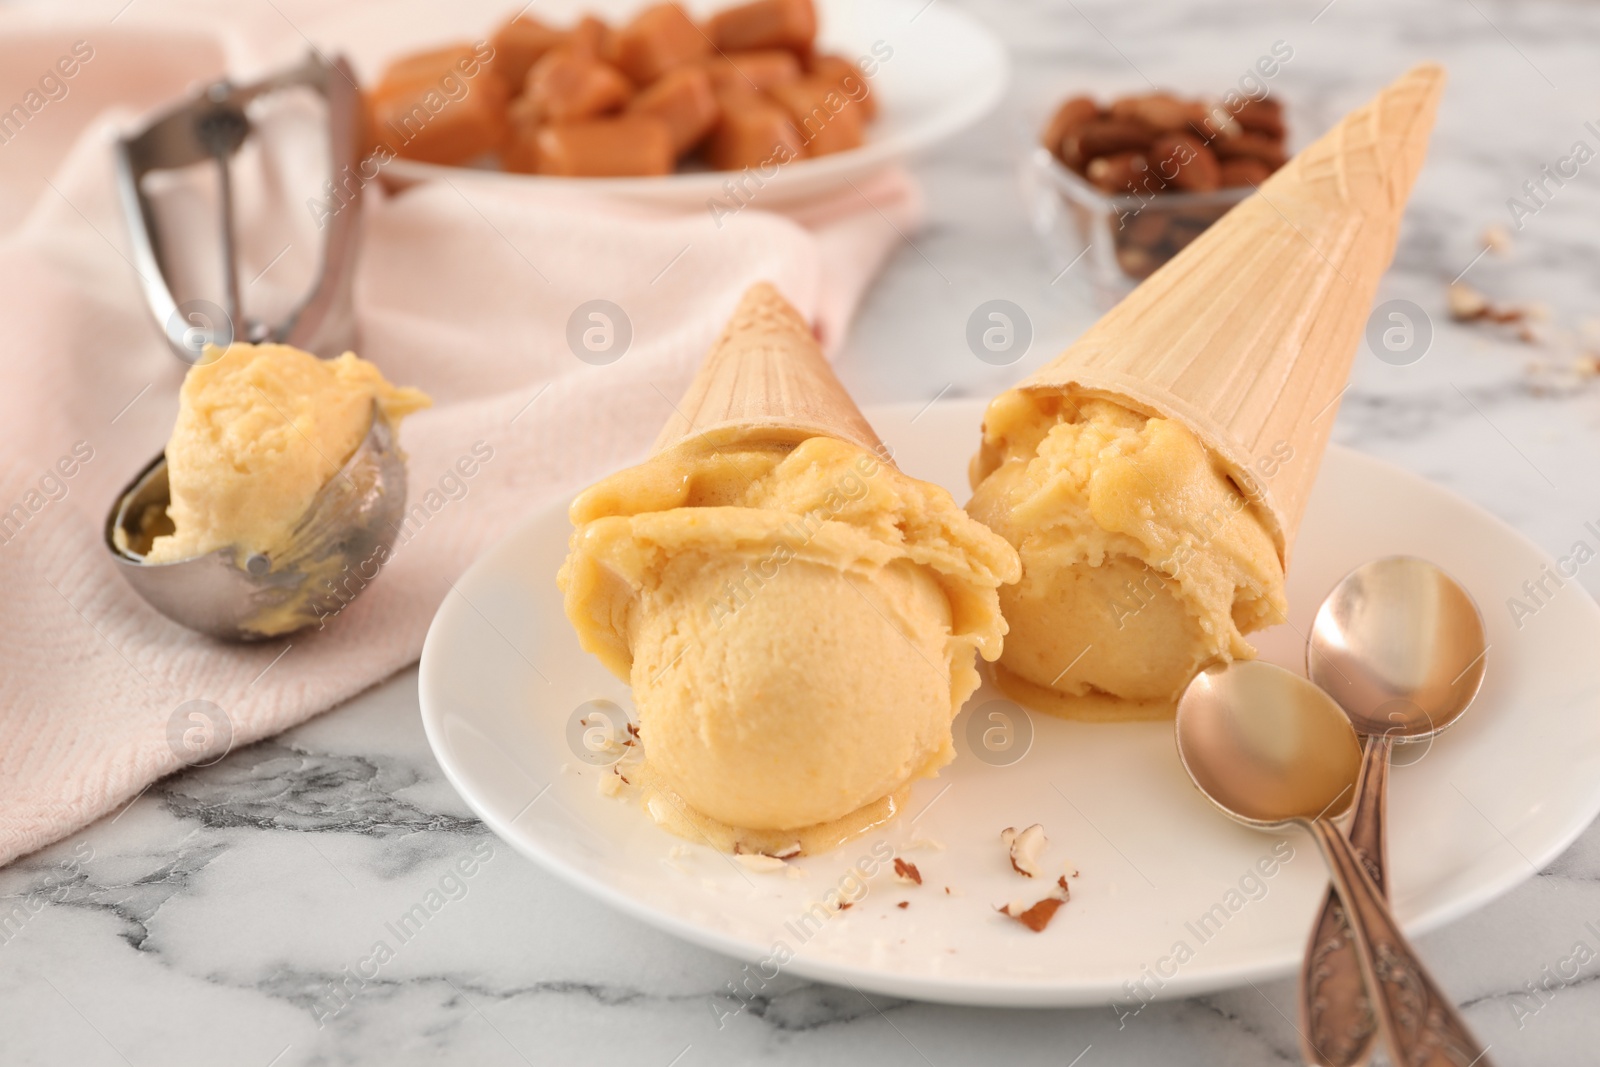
[
  {"x": 765, "y": 24},
  {"x": 592, "y": 37},
  {"x": 567, "y": 85},
  {"x": 847, "y": 76},
  {"x": 752, "y": 72},
  {"x": 519, "y": 44},
  {"x": 659, "y": 39},
  {"x": 753, "y": 131},
  {"x": 684, "y": 100},
  {"x": 1070, "y": 116},
  {"x": 826, "y": 118},
  {"x": 1185, "y": 163},
  {"x": 431, "y": 65},
  {"x": 439, "y": 107},
  {"x": 623, "y": 146}
]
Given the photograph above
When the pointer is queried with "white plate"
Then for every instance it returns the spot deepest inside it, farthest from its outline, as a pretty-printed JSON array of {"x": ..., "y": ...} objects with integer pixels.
[
  {"x": 1499, "y": 795},
  {"x": 945, "y": 72}
]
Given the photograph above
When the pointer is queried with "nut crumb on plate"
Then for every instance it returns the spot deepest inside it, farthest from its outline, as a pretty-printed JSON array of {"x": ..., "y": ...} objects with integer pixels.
[
  {"x": 1037, "y": 916},
  {"x": 1497, "y": 239},
  {"x": 1025, "y": 846},
  {"x": 760, "y": 862}
]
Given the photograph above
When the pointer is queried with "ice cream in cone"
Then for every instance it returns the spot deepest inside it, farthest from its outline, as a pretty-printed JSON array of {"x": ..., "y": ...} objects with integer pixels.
[
  {"x": 1153, "y": 476},
  {"x": 798, "y": 619}
]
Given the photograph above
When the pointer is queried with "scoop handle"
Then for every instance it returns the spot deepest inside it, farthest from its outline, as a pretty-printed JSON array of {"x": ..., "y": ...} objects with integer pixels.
[
  {"x": 1336, "y": 1017},
  {"x": 1418, "y": 1021}
]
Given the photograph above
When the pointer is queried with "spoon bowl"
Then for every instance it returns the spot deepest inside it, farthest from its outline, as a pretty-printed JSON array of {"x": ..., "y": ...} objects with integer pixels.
[
  {"x": 1401, "y": 646},
  {"x": 1266, "y": 746},
  {"x": 334, "y": 551}
]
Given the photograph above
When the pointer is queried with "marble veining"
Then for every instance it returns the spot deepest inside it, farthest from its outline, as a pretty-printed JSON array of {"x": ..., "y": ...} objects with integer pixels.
[{"x": 230, "y": 915}]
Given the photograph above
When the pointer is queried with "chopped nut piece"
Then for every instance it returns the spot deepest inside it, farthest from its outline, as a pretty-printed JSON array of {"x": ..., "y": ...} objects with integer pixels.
[
  {"x": 922, "y": 843},
  {"x": 1497, "y": 239},
  {"x": 760, "y": 862},
  {"x": 1035, "y": 917},
  {"x": 904, "y": 904},
  {"x": 906, "y": 872},
  {"x": 1466, "y": 303},
  {"x": 1026, "y": 847},
  {"x": 611, "y": 784}
]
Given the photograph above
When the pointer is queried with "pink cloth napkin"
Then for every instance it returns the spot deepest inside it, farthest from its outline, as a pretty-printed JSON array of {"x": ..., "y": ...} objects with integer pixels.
[{"x": 463, "y": 289}]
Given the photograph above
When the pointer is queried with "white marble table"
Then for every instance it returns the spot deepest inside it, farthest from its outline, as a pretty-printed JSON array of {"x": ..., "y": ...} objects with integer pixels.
[{"x": 199, "y": 926}]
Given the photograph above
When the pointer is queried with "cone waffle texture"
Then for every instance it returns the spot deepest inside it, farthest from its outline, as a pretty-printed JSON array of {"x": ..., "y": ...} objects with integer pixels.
[
  {"x": 766, "y": 379},
  {"x": 1247, "y": 336}
]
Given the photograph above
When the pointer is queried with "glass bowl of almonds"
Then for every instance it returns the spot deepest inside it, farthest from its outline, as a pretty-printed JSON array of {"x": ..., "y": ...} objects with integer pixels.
[{"x": 1115, "y": 190}]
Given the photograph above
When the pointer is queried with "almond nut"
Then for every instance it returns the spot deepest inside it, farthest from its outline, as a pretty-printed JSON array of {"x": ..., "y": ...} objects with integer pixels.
[{"x": 1185, "y": 163}]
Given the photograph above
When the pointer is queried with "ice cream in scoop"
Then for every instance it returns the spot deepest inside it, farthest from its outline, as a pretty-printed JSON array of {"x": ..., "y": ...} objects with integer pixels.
[
  {"x": 260, "y": 430},
  {"x": 1152, "y": 476},
  {"x": 797, "y": 617}
]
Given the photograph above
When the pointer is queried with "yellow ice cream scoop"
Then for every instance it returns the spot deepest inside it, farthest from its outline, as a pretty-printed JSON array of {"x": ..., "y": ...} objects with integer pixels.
[
  {"x": 1141, "y": 561},
  {"x": 799, "y": 619},
  {"x": 261, "y": 429},
  {"x": 277, "y": 496}
]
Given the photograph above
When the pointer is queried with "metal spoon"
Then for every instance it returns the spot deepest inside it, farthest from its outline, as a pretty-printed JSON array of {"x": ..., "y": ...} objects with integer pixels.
[
  {"x": 1400, "y": 645},
  {"x": 337, "y": 547},
  {"x": 1272, "y": 750}
]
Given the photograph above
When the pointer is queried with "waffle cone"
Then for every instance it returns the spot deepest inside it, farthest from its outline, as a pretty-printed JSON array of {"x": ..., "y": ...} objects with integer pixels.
[
  {"x": 766, "y": 380},
  {"x": 1247, "y": 336}
]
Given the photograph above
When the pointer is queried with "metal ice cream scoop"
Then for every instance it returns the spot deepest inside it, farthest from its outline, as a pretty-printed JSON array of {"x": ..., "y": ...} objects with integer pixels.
[
  {"x": 345, "y": 536},
  {"x": 334, "y": 551}
]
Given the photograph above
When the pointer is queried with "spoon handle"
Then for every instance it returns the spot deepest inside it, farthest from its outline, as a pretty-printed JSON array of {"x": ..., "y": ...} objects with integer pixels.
[
  {"x": 1418, "y": 1021},
  {"x": 1335, "y": 1011}
]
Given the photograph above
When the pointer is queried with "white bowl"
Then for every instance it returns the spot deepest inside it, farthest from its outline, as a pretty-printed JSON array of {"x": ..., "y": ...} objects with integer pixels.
[{"x": 939, "y": 71}]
